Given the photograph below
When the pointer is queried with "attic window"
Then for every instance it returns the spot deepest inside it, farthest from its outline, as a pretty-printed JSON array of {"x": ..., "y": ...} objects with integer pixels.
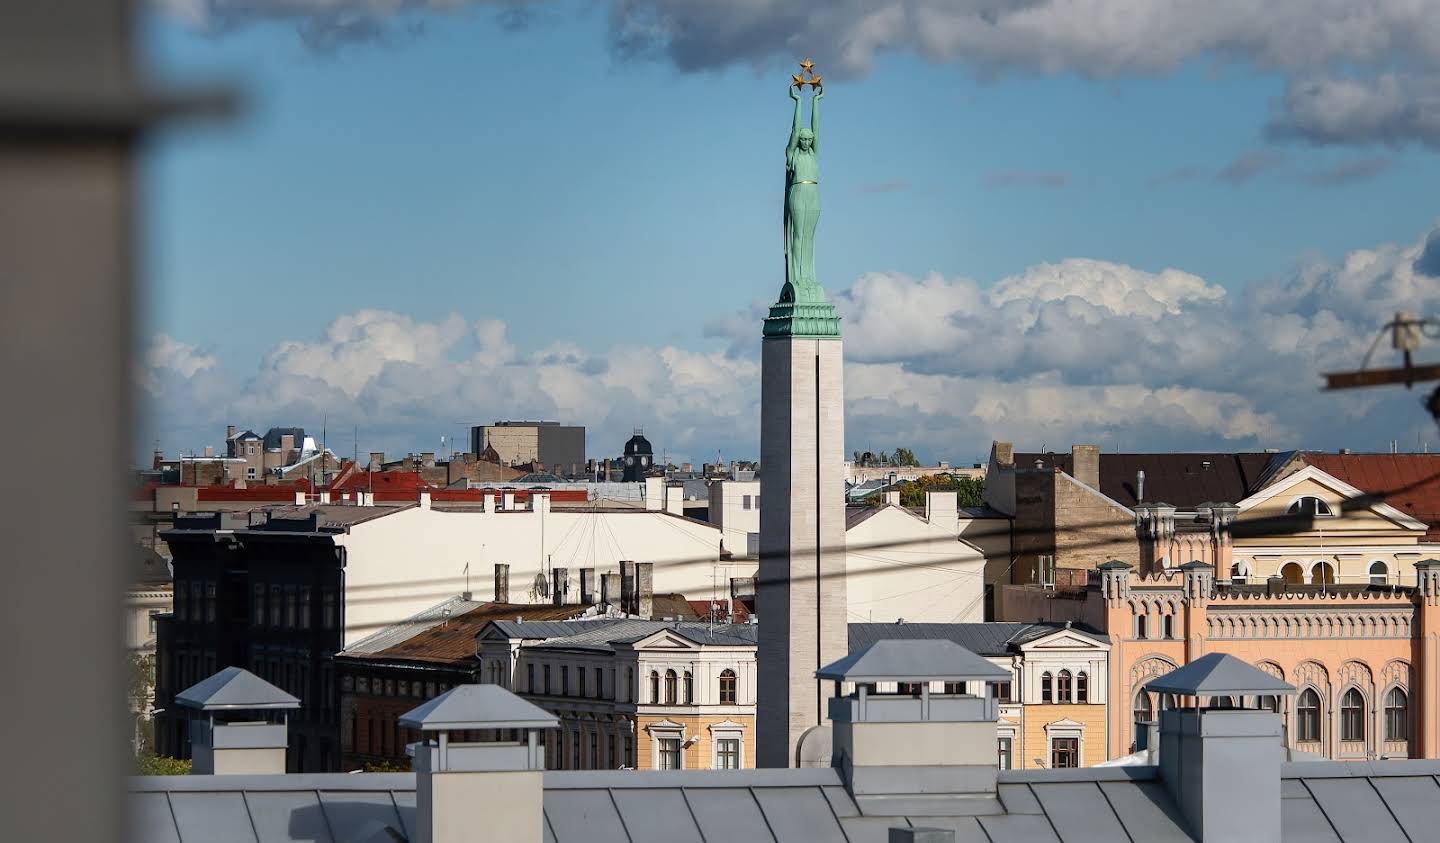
[{"x": 1309, "y": 505}]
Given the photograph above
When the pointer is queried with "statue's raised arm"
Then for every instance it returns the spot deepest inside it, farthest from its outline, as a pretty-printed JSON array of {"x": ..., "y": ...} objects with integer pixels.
[
  {"x": 802, "y": 187},
  {"x": 794, "y": 124}
]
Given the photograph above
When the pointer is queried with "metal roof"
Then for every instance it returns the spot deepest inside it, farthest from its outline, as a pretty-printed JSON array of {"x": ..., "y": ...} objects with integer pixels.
[
  {"x": 235, "y": 689},
  {"x": 412, "y": 626},
  {"x": 1218, "y": 674},
  {"x": 985, "y": 639},
  {"x": 931, "y": 659},
  {"x": 1184, "y": 480},
  {"x": 1330, "y": 801},
  {"x": 477, "y": 707}
]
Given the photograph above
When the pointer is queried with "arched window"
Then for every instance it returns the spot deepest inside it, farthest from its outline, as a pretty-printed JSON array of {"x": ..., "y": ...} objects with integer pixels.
[
  {"x": 1352, "y": 716},
  {"x": 1292, "y": 573},
  {"x": 1397, "y": 715},
  {"x": 727, "y": 687},
  {"x": 1082, "y": 687},
  {"x": 1140, "y": 627},
  {"x": 1167, "y": 627},
  {"x": 1142, "y": 710},
  {"x": 1221, "y": 703},
  {"x": 1270, "y": 702},
  {"x": 671, "y": 681},
  {"x": 1047, "y": 691},
  {"x": 654, "y": 686},
  {"x": 1237, "y": 574},
  {"x": 689, "y": 688},
  {"x": 1307, "y": 717},
  {"x": 1322, "y": 572},
  {"x": 1062, "y": 686},
  {"x": 1379, "y": 574},
  {"x": 1309, "y": 505}
]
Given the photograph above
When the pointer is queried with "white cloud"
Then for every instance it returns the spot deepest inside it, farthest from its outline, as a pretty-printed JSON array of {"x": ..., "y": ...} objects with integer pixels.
[{"x": 1079, "y": 350}]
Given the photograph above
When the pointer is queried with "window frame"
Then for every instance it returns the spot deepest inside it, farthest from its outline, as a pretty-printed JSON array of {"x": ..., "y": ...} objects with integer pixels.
[
  {"x": 1047, "y": 688},
  {"x": 1383, "y": 577},
  {"x": 672, "y": 686},
  {"x": 1064, "y": 686},
  {"x": 1082, "y": 686},
  {"x": 1352, "y": 716},
  {"x": 1309, "y": 719},
  {"x": 1392, "y": 711},
  {"x": 729, "y": 695},
  {"x": 1322, "y": 509}
]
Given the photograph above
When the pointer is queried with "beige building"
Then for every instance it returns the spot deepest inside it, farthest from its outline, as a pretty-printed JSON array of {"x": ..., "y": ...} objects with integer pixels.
[
  {"x": 649, "y": 695},
  {"x": 560, "y": 448}
]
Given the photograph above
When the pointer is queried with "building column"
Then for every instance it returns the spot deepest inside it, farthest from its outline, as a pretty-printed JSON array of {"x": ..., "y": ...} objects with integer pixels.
[{"x": 1426, "y": 659}]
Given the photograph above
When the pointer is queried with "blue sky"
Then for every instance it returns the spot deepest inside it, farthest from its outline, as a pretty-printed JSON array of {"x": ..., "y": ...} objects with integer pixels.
[{"x": 588, "y": 200}]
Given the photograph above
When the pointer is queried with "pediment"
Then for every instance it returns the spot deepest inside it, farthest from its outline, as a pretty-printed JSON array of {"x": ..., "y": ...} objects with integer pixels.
[
  {"x": 665, "y": 640},
  {"x": 1066, "y": 723},
  {"x": 666, "y": 725},
  {"x": 727, "y": 726},
  {"x": 1064, "y": 639}
]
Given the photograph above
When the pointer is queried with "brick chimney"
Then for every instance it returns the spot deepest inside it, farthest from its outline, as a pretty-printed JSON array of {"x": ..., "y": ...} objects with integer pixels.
[
  {"x": 645, "y": 589},
  {"x": 1085, "y": 465},
  {"x": 502, "y": 582},
  {"x": 1002, "y": 453}
]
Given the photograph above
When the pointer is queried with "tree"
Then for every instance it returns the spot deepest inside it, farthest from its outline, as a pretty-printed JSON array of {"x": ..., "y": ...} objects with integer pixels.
[
  {"x": 159, "y": 765},
  {"x": 904, "y": 456},
  {"x": 970, "y": 490},
  {"x": 140, "y": 690}
]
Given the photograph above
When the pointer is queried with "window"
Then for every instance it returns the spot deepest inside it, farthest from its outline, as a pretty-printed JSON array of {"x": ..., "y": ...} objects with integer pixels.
[
  {"x": 1397, "y": 715},
  {"x": 210, "y": 602},
  {"x": 610, "y": 751},
  {"x": 727, "y": 754},
  {"x": 1064, "y": 753},
  {"x": 1379, "y": 574},
  {"x": 654, "y": 687},
  {"x": 546, "y": 674},
  {"x": 1006, "y": 753},
  {"x": 954, "y": 687},
  {"x": 671, "y": 687},
  {"x": 575, "y": 752},
  {"x": 1082, "y": 687},
  {"x": 630, "y": 690},
  {"x": 594, "y": 751},
  {"x": 727, "y": 687},
  {"x": 745, "y": 502},
  {"x": 1352, "y": 716},
  {"x": 182, "y": 602},
  {"x": 1309, "y": 505},
  {"x": 1062, "y": 686},
  {"x": 1167, "y": 627},
  {"x": 1323, "y": 572},
  {"x": 629, "y": 759},
  {"x": 362, "y": 685},
  {"x": 290, "y": 607},
  {"x": 530, "y": 678},
  {"x": 1047, "y": 571},
  {"x": 669, "y": 753},
  {"x": 1292, "y": 573},
  {"x": 275, "y": 606},
  {"x": 565, "y": 682},
  {"x": 1140, "y": 627},
  {"x": 1142, "y": 711},
  {"x": 328, "y": 610},
  {"x": 304, "y": 619},
  {"x": 257, "y": 606},
  {"x": 1307, "y": 716},
  {"x": 1270, "y": 702},
  {"x": 1047, "y": 690},
  {"x": 689, "y": 688},
  {"x": 153, "y": 614},
  {"x": 1001, "y": 691},
  {"x": 580, "y": 680},
  {"x": 599, "y": 682}
]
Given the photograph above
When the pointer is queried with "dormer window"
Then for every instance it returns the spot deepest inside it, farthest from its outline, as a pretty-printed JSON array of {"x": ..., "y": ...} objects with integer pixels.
[{"x": 1310, "y": 505}]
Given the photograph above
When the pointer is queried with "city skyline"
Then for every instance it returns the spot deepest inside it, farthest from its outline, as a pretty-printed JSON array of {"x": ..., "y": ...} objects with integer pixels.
[{"x": 1146, "y": 251}]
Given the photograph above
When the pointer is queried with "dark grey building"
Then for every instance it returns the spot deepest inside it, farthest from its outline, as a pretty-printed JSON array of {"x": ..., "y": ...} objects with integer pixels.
[{"x": 560, "y": 447}]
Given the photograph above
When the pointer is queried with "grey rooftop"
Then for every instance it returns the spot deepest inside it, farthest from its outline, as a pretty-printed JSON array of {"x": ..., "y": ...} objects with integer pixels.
[
  {"x": 477, "y": 707},
  {"x": 1215, "y": 675},
  {"x": 913, "y": 661},
  {"x": 1354, "y": 801},
  {"x": 235, "y": 689}
]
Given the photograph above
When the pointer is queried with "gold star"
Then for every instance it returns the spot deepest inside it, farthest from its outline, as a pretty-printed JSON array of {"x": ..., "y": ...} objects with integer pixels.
[
  {"x": 814, "y": 81},
  {"x": 798, "y": 82},
  {"x": 806, "y": 65}
]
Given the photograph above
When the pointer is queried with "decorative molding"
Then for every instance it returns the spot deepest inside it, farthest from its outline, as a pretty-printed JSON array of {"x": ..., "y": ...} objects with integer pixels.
[{"x": 1235, "y": 624}]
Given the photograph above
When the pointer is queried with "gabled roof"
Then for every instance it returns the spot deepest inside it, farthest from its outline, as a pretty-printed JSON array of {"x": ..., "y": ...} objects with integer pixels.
[
  {"x": 1345, "y": 490},
  {"x": 1184, "y": 480},
  {"x": 1218, "y": 675},
  {"x": 235, "y": 689},
  {"x": 914, "y": 660},
  {"x": 244, "y": 435},
  {"x": 1409, "y": 482},
  {"x": 436, "y": 637},
  {"x": 272, "y": 436},
  {"x": 478, "y": 707}
]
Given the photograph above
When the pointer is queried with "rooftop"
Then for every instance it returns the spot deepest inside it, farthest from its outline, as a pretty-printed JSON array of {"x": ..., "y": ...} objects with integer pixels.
[
  {"x": 235, "y": 689},
  {"x": 932, "y": 659},
  {"x": 435, "y": 636},
  {"x": 1184, "y": 480},
  {"x": 1409, "y": 482}
]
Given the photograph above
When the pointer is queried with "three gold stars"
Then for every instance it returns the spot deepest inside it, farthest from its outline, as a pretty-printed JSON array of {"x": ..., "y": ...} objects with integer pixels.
[{"x": 803, "y": 78}]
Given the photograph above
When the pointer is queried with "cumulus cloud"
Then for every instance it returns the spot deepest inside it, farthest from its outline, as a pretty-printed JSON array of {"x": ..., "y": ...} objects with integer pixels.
[
  {"x": 1392, "y": 44},
  {"x": 1078, "y": 350}
]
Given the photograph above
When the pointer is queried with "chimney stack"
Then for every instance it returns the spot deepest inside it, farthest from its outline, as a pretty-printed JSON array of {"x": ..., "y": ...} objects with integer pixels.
[
  {"x": 1140, "y": 486},
  {"x": 1085, "y": 465},
  {"x": 655, "y": 493},
  {"x": 230, "y": 733},
  {"x": 1003, "y": 453},
  {"x": 610, "y": 590},
  {"x": 627, "y": 587},
  {"x": 501, "y": 782},
  {"x": 502, "y": 582},
  {"x": 560, "y": 587},
  {"x": 229, "y": 432},
  {"x": 645, "y": 589},
  {"x": 587, "y": 586},
  {"x": 675, "y": 498},
  {"x": 377, "y": 461},
  {"x": 1214, "y": 759}
]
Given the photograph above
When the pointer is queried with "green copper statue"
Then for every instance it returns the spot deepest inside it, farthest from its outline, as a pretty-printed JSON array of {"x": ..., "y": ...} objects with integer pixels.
[
  {"x": 802, "y": 191},
  {"x": 802, "y": 310}
]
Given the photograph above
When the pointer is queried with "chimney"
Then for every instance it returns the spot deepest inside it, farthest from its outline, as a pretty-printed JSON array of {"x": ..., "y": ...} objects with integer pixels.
[
  {"x": 540, "y": 501},
  {"x": 627, "y": 587},
  {"x": 209, "y": 451},
  {"x": 424, "y": 498},
  {"x": 509, "y": 500},
  {"x": 235, "y": 729},
  {"x": 502, "y": 582},
  {"x": 943, "y": 509},
  {"x": 377, "y": 461},
  {"x": 892, "y": 497},
  {"x": 655, "y": 493},
  {"x": 937, "y": 751},
  {"x": 560, "y": 586},
  {"x": 299, "y": 498},
  {"x": 501, "y": 781},
  {"x": 675, "y": 499},
  {"x": 1140, "y": 486},
  {"x": 157, "y": 459},
  {"x": 610, "y": 589},
  {"x": 325, "y": 496},
  {"x": 427, "y": 459},
  {"x": 1003, "y": 453},
  {"x": 1214, "y": 759},
  {"x": 645, "y": 589},
  {"x": 1274, "y": 586},
  {"x": 229, "y": 432},
  {"x": 587, "y": 586},
  {"x": 1085, "y": 465},
  {"x": 365, "y": 498}
]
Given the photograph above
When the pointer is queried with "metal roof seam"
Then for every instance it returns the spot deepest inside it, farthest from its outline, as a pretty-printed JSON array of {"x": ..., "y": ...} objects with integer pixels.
[{"x": 1321, "y": 809}]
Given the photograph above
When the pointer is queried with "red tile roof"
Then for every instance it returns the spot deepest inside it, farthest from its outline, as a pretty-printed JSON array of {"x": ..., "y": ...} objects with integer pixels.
[{"x": 1409, "y": 482}]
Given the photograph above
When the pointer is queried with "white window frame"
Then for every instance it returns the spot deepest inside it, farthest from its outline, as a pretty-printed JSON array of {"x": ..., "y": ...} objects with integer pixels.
[
  {"x": 1384, "y": 577},
  {"x": 664, "y": 730},
  {"x": 727, "y": 730},
  {"x": 1065, "y": 729},
  {"x": 1330, "y": 513}
]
